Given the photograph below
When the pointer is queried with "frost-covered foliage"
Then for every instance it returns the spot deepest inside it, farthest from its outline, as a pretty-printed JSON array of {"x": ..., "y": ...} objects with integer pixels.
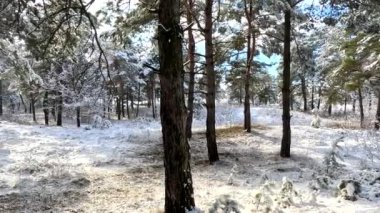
[
  {"x": 270, "y": 198},
  {"x": 316, "y": 122},
  {"x": 100, "y": 123},
  {"x": 348, "y": 189},
  {"x": 226, "y": 205},
  {"x": 331, "y": 158}
]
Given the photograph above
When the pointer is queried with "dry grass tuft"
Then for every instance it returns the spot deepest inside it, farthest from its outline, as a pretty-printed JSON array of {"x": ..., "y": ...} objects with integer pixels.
[{"x": 233, "y": 131}]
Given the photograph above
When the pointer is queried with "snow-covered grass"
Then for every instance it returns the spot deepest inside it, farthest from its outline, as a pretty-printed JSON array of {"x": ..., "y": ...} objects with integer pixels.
[{"x": 120, "y": 169}]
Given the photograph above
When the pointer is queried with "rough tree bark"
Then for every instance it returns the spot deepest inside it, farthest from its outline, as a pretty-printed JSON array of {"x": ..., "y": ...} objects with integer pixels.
[
  {"x": 251, "y": 48},
  {"x": 210, "y": 75},
  {"x": 191, "y": 58},
  {"x": 178, "y": 180},
  {"x": 153, "y": 97},
  {"x": 286, "y": 130},
  {"x": 45, "y": 105}
]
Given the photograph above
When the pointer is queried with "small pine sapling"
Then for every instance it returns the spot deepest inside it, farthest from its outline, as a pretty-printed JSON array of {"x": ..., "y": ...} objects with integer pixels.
[
  {"x": 287, "y": 193},
  {"x": 348, "y": 189},
  {"x": 225, "y": 204},
  {"x": 330, "y": 160},
  {"x": 316, "y": 122}
]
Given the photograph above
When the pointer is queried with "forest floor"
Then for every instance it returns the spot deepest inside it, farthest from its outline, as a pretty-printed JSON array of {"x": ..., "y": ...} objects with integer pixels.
[{"x": 120, "y": 169}]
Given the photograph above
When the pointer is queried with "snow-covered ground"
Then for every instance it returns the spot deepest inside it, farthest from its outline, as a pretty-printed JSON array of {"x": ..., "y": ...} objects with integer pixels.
[{"x": 120, "y": 169}]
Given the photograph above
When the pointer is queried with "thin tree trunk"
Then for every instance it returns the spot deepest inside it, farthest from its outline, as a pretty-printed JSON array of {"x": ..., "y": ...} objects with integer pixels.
[
  {"x": 361, "y": 108},
  {"x": 118, "y": 108},
  {"x": 191, "y": 55},
  {"x": 59, "y": 109},
  {"x": 127, "y": 100},
  {"x": 104, "y": 108},
  {"x": 319, "y": 97},
  {"x": 354, "y": 105},
  {"x": 1, "y": 97},
  {"x": 23, "y": 103},
  {"x": 138, "y": 101},
  {"x": 377, "y": 123},
  {"x": 109, "y": 107},
  {"x": 132, "y": 101},
  {"x": 53, "y": 107},
  {"x": 78, "y": 115},
  {"x": 45, "y": 105},
  {"x": 330, "y": 109},
  {"x": 30, "y": 108},
  {"x": 312, "y": 96},
  {"x": 178, "y": 180},
  {"x": 369, "y": 102},
  {"x": 32, "y": 101},
  {"x": 251, "y": 48},
  {"x": 304, "y": 93},
  {"x": 345, "y": 105},
  {"x": 286, "y": 130},
  {"x": 122, "y": 105},
  {"x": 210, "y": 97}
]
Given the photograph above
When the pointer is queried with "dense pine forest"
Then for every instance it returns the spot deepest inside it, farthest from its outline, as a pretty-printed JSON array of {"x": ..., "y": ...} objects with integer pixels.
[{"x": 189, "y": 106}]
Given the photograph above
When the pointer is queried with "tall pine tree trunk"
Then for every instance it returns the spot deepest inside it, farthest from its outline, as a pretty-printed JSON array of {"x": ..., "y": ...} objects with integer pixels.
[
  {"x": 33, "y": 103},
  {"x": 251, "y": 48},
  {"x": 361, "y": 108},
  {"x": 191, "y": 55},
  {"x": 210, "y": 74},
  {"x": 59, "y": 108},
  {"x": 286, "y": 130},
  {"x": 45, "y": 105},
  {"x": 77, "y": 109},
  {"x": 304, "y": 92},
  {"x": 354, "y": 105},
  {"x": 178, "y": 180},
  {"x": 118, "y": 108}
]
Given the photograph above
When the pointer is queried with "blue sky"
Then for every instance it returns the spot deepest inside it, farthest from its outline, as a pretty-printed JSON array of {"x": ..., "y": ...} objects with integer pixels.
[{"x": 274, "y": 59}]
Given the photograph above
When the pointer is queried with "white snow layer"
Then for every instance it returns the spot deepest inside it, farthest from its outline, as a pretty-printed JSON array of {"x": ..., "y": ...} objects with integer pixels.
[{"x": 120, "y": 169}]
